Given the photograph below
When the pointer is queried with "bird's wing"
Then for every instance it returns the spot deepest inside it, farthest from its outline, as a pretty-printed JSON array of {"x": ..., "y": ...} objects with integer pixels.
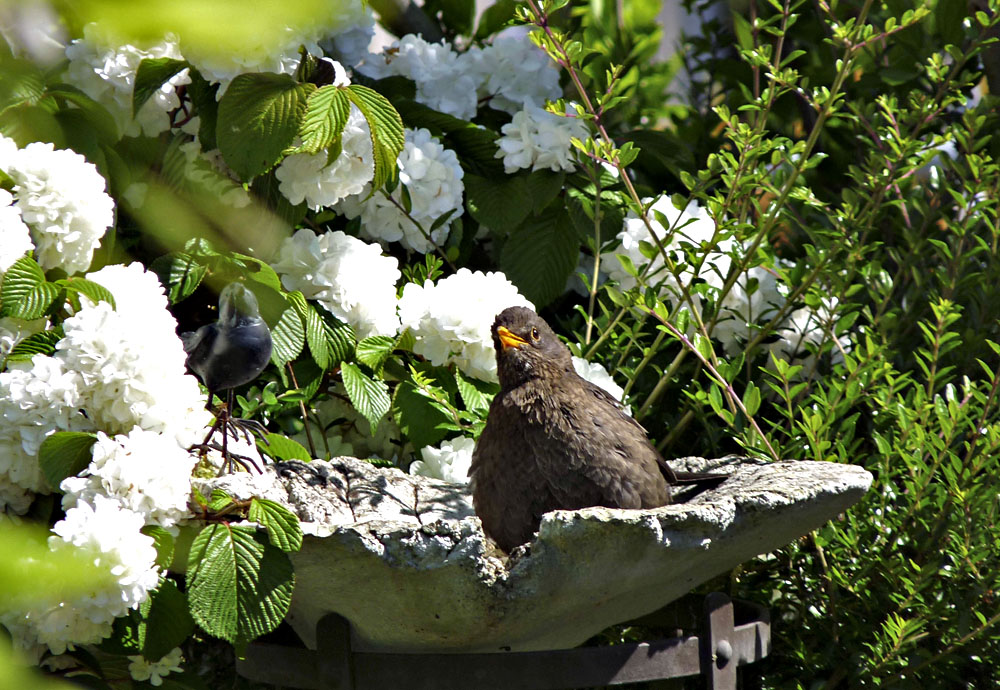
[{"x": 198, "y": 346}]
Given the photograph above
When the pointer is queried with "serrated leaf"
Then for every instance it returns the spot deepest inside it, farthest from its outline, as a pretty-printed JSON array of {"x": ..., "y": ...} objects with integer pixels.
[
  {"x": 288, "y": 336},
  {"x": 35, "y": 304},
  {"x": 150, "y": 76},
  {"x": 283, "y": 448},
  {"x": 94, "y": 292},
  {"x": 22, "y": 84},
  {"x": 282, "y": 525},
  {"x": 386, "y": 127},
  {"x": 180, "y": 273},
  {"x": 421, "y": 422},
  {"x": 65, "y": 454},
  {"x": 166, "y": 621},
  {"x": 543, "y": 186},
  {"x": 476, "y": 395},
  {"x": 369, "y": 397},
  {"x": 499, "y": 204},
  {"x": 219, "y": 500},
  {"x": 258, "y": 119},
  {"x": 316, "y": 336},
  {"x": 43, "y": 343},
  {"x": 21, "y": 278},
  {"x": 163, "y": 541},
  {"x": 540, "y": 256},
  {"x": 326, "y": 114},
  {"x": 374, "y": 351},
  {"x": 239, "y": 585}
]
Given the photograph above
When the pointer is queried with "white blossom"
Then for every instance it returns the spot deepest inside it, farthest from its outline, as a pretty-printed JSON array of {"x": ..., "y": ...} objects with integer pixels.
[
  {"x": 445, "y": 81},
  {"x": 539, "y": 140},
  {"x": 61, "y": 198},
  {"x": 451, "y": 319},
  {"x": 109, "y": 535},
  {"x": 349, "y": 277},
  {"x": 319, "y": 182},
  {"x": 131, "y": 361},
  {"x": 106, "y": 72},
  {"x": 155, "y": 671},
  {"x": 804, "y": 331},
  {"x": 752, "y": 301},
  {"x": 450, "y": 461},
  {"x": 349, "y": 41},
  {"x": 433, "y": 178},
  {"x": 514, "y": 72},
  {"x": 147, "y": 472},
  {"x": 13, "y": 331},
  {"x": 15, "y": 238},
  {"x": 39, "y": 397}
]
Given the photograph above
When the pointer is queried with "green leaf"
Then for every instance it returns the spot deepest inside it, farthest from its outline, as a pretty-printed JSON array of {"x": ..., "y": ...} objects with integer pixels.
[
  {"x": 35, "y": 304},
  {"x": 316, "y": 337},
  {"x": 374, "y": 351},
  {"x": 477, "y": 395},
  {"x": 540, "y": 256},
  {"x": 65, "y": 454},
  {"x": 21, "y": 278},
  {"x": 166, "y": 621},
  {"x": 751, "y": 398},
  {"x": 387, "y": 130},
  {"x": 283, "y": 448},
  {"x": 97, "y": 116},
  {"x": 239, "y": 585},
  {"x": 94, "y": 292},
  {"x": 288, "y": 336},
  {"x": 499, "y": 204},
  {"x": 259, "y": 117},
  {"x": 150, "y": 76},
  {"x": 219, "y": 500},
  {"x": 369, "y": 396},
  {"x": 22, "y": 84},
  {"x": 43, "y": 343},
  {"x": 543, "y": 186},
  {"x": 164, "y": 543},
  {"x": 180, "y": 273},
  {"x": 421, "y": 422},
  {"x": 326, "y": 114},
  {"x": 282, "y": 525}
]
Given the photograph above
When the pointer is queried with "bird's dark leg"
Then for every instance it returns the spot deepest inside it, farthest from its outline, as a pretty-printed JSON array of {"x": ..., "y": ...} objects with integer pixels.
[{"x": 229, "y": 424}]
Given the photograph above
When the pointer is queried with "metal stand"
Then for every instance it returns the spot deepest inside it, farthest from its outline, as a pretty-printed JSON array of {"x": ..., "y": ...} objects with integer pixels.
[{"x": 715, "y": 653}]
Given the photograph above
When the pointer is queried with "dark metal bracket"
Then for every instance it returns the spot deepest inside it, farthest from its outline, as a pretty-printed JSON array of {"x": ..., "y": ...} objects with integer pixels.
[{"x": 715, "y": 654}]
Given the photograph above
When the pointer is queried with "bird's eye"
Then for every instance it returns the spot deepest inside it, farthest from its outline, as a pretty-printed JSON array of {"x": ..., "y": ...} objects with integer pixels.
[{"x": 534, "y": 334}]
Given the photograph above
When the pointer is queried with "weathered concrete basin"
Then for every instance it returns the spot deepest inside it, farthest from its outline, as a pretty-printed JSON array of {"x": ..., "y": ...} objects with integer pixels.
[{"x": 405, "y": 560}]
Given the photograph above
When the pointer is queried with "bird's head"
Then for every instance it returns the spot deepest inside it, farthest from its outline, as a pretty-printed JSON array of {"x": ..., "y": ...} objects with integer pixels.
[
  {"x": 527, "y": 348},
  {"x": 237, "y": 304}
]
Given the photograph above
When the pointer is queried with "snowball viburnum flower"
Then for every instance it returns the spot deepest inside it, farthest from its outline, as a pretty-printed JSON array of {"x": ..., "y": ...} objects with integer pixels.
[
  {"x": 451, "y": 319},
  {"x": 514, "y": 72},
  {"x": 450, "y": 461},
  {"x": 106, "y": 72},
  {"x": 61, "y": 199},
  {"x": 348, "y": 276},
  {"x": 539, "y": 140},
  {"x": 15, "y": 238},
  {"x": 432, "y": 177}
]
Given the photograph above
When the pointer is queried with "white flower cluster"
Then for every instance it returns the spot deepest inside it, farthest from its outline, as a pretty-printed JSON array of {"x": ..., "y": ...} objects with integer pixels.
[
  {"x": 451, "y": 319},
  {"x": 445, "y": 80},
  {"x": 107, "y": 72},
  {"x": 115, "y": 372},
  {"x": 61, "y": 198},
  {"x": 155, "y": 671},
  {"x": 754, "y": 299},
  {"x": 450, "y": 461},
  {"x": 433, "y": 178},
  {"x": 110, "y": 535},
  {"x": 321, "y": 182},
  {"x": 349, "y": 277},
  {"x": 539, "y": 140},
  {"x": 514, "y": 72}
]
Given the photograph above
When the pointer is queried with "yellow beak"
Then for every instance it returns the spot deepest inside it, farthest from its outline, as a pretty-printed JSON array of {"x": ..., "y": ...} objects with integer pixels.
[{"x": 508, "y": 339}]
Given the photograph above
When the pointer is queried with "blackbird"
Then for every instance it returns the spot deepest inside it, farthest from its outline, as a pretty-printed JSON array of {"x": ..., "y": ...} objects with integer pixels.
[
  {"x": 229, "y": 353},
  {"x": 555, "y": 441}
]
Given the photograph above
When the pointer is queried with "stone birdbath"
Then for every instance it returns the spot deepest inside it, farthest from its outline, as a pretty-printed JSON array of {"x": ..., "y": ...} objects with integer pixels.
[{"x": 405, "y": 561}]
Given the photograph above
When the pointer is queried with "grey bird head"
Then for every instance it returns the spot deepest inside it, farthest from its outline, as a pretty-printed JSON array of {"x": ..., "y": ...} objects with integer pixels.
[
  {"x": 235, "y": 349},
  {"x": 526, "y": 347}
]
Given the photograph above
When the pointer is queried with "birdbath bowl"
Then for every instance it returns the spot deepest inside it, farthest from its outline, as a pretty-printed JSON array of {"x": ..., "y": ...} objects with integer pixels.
[{"x": 405, "y": 561}]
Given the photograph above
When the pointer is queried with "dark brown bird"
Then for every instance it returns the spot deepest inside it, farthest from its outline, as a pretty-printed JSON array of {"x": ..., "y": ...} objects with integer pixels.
[{"x": 553, "y": 440}]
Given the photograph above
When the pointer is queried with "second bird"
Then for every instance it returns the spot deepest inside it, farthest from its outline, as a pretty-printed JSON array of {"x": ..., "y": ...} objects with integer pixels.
[{"x": 555, "y": 441}]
